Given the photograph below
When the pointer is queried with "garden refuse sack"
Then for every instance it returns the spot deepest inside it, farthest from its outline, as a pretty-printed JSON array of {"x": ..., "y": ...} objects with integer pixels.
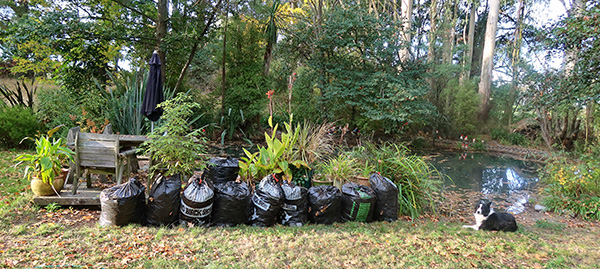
[
  {"x": 221, "y": 170},
  {"x": 295, "y": 206},
  {"x": 232, "y": 204},
  {"x": 325, "y": 203},
  {"x": 266, "y": 202},
  {"x": 196, "y": 203},
  {"x": 358, "y": 202},
  {"x": 386, "y": 206},
  {"x": 123, "y": 204},
  {"x": 164, "y": 201}
]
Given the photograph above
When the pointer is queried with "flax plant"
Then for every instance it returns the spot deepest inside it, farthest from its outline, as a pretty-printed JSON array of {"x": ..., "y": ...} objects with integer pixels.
[{"x": 125, "y": 100}]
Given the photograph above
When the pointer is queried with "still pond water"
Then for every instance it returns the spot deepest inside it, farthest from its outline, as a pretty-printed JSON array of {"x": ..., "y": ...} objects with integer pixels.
[{"x": 491, "y": 176}]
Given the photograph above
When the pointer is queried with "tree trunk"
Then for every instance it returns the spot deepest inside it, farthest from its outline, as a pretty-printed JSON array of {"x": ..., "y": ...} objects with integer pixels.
[
  {"x": 406, "y": 36},
  {"x": 223, "y": 71},
  {"x": 589, "y": 120},
  {"x": 432, "y": 31},
  {"x": 431, "y": 55},
  {"x": 468, "y": 59},
  {"x": 162, "y": 7},
  {"x": 516, "y": 54},
  {"x": 560, "y": 129},
  {"x": 485, "y": 85},
  {"x": 448, "y": 31},
  {"x": 267, "y": 58}
]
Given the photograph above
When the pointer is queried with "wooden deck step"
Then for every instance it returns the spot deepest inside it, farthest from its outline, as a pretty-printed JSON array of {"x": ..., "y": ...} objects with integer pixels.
[{"x": 84, "y": 197}]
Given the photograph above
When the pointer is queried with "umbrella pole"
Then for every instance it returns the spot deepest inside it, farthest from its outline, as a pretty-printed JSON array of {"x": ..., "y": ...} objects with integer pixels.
[{"x": 151, "y": 127}]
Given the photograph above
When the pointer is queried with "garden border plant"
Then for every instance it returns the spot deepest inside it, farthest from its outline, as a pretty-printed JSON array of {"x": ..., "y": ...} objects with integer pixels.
[
  {"x": 276, "y": 158},
  {"x": 573, "y": 186},
  {"x": 174, "y": 149},
  {"x": 46, "y": 163}
]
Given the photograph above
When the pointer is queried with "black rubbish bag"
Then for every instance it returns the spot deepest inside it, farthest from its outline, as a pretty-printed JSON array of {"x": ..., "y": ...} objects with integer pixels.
[
  {"x": 232, "y": 204},
  {"x": 295, "y": 206},
  {"x": 386, "y": 206},
  {"x": 358, "y": 202},
  {"x": 266, "y": 202},
  {"x": 221, "y": 170},
  {"x": 196, "y": 203},
  {"x": 325, "y": 204},
  {"x": 123, "y": 204},
  {"x": 164, "y": 201}
]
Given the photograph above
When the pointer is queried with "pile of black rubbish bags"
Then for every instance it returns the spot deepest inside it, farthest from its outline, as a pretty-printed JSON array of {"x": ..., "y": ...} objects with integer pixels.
[{"x": 217, "y": 199}]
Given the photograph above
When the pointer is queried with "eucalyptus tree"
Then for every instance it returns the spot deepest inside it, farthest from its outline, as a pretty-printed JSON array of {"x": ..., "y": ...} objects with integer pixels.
[
  {"x": 469, "y": 41},
  {"x": 485, "y": 85}
]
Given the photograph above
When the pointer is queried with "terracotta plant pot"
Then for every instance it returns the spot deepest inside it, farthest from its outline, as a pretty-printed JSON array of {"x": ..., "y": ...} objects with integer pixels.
[
  {"x": 363, "y": 181},
  {"x": 41, "y": 188}
]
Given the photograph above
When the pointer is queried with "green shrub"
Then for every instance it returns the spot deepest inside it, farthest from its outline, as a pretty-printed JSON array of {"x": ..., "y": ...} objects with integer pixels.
[
  {"x": 246, "y": 83},
  {"x": 16, "y": 123},
  {"x": 477, "y": 146},
  {"x": 462, "y": 105},
  {"x": 419, "y": 143},
  {"x": 179, "y": 148},
  {"x": 54, "y": 108},
  {"x": 573, "y": 186},
  {"x": 87, "y": 109},
  {"x": 506, "y": 137},
  {"x": 417, "y": 180},
  {"x": 306, "y": 97}
]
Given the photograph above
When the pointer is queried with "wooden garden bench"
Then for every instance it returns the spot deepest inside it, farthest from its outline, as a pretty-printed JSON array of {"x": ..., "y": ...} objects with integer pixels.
[{"x": 99, "y": 154}]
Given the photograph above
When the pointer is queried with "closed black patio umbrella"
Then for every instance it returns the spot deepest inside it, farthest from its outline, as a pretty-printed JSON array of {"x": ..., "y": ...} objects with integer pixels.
[{"x": 154, "y": 91}]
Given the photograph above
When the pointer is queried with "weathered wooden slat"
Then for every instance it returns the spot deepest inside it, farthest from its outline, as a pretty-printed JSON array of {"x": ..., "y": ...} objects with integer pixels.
[
  {"x": 91, "y": 156},
  {"x": 99, "y": 137},
  {"x": 97, "y": 144},
  {"x": 97, "y": 150},
  {"x": 98, "y": 164}
]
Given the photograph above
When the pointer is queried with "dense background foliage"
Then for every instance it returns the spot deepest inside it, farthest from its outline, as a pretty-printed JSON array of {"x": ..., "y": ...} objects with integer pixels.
[{"x": 395, "y": 68}]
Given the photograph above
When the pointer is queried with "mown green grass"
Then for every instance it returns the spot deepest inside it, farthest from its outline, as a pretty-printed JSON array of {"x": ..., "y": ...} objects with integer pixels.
[
  {"x": 373, "y": 245},
  {"x": 15, "y": 194},
  {"x": 423, "y": 243}
]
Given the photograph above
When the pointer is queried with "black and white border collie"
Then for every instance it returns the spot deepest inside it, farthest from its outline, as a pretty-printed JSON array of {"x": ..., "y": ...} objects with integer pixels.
[{"x": 488, "y": 220}]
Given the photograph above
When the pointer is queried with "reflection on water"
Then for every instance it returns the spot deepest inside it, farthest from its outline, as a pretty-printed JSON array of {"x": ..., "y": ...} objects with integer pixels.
[{"x": 490, "y": 175}]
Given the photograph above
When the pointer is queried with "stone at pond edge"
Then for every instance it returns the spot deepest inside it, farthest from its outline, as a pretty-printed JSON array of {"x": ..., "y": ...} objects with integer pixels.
[{"x": 540, "y": 208}]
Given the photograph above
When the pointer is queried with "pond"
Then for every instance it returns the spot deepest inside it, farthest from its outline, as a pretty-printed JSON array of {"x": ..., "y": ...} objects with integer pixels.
[{"x": 492, "y": 176}]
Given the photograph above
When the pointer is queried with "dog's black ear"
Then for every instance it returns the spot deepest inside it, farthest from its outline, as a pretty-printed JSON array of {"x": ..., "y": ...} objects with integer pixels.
[{"x": 489, "y": 204}]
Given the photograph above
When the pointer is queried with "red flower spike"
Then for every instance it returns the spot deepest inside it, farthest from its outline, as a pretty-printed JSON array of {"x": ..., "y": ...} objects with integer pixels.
[{"x": 270, "y": 93}]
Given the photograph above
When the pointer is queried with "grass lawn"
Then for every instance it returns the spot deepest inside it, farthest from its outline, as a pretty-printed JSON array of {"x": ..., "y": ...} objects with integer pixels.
[{"x": 32, "y": 237}]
